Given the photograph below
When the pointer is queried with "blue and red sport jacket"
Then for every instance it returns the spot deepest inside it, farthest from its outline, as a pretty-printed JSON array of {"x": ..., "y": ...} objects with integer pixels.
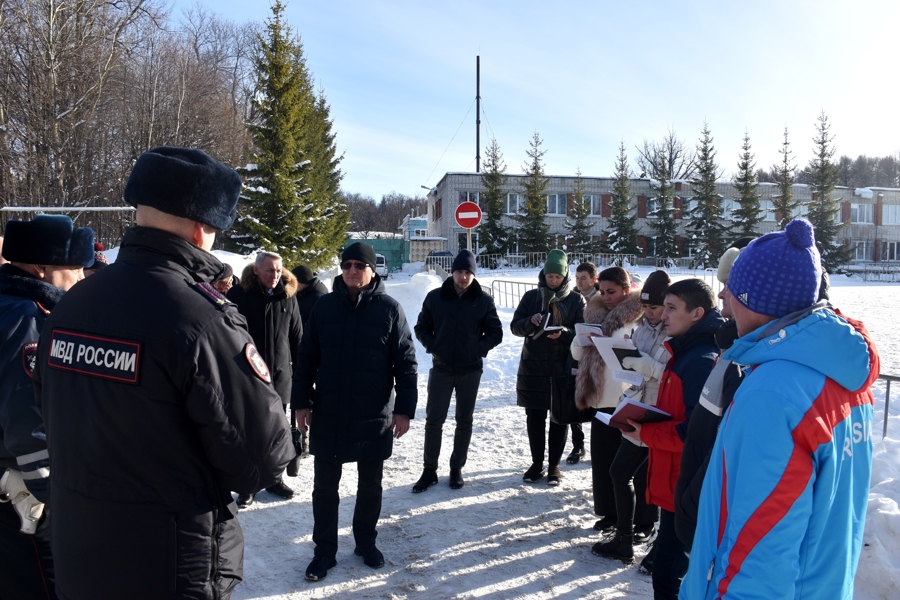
[{"x": 784, "y": 500}]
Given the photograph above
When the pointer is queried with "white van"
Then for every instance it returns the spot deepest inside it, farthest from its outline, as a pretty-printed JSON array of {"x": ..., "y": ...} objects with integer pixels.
[{"x": 381, "y": 265}]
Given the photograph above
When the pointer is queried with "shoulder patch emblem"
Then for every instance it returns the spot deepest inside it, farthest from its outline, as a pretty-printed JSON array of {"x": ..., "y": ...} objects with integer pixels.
[
  {"x": 29, "y": 357},
  {"x": 213, "y": 295},
  {"x": 257, "y": 363}
]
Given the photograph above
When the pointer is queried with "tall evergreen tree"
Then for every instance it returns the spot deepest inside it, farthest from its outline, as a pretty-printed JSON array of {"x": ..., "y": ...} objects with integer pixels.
[
  {"x": 705, "y": 223},
  {"x": 824, "y": 208},
  {"x": 783, "y": 202},
  {"x": 291, "y": 203},
  {"x": 494, "y": 236},
  {"x": 579, "y": 225},
  {"x": 533, "y": 229},
  {"x": 747, "y": 215},
  {"x": 622, "y": 235}
]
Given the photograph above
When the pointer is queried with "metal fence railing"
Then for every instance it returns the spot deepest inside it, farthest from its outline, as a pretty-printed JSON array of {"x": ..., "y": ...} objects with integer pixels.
[
  {"x": 508, "y": 293},
  {"x": 880, "y": 271},
  {"x": 887, "y": 399}
]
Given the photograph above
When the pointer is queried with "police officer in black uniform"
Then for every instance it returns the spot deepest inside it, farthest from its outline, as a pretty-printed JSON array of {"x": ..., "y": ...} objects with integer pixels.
[
  {"x": 156, "y": 402},
  {"x": 47, "y": 256}
]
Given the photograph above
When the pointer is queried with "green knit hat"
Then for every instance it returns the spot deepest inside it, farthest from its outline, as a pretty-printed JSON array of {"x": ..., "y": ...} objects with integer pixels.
[{"x": 556, "y": 263}]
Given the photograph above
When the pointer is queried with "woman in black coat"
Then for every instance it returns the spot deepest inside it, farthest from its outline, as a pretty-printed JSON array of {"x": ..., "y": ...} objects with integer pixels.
[{"x": 544, "y": 356}]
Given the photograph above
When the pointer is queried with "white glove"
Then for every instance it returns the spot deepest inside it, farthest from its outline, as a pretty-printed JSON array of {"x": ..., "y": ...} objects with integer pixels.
[
  {"x": 644, "y": 365},
  {"x": 13, "y": 489}
]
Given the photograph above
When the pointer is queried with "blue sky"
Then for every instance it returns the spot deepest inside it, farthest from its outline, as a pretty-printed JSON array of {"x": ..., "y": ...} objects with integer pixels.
[{"x": 400, "y": 78}]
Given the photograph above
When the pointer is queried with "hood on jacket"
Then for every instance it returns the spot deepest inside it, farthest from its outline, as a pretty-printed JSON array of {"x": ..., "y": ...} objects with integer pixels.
[
  {"x": 818, "y": 337},
  {"x": 448, "y": 289},
  {"x": 249, "y": 281}
]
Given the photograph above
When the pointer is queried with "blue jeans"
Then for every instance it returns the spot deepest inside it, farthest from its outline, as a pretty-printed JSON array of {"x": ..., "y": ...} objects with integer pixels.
[{"x": 671, "y": 559}]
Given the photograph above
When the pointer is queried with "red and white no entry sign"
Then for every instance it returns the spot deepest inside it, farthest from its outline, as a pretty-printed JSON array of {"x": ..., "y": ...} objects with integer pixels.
[{"x": 468, "y": 215}]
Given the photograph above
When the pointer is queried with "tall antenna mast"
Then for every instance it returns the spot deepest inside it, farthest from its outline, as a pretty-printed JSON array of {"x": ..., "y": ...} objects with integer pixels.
[{"x": 478, "y": 114}]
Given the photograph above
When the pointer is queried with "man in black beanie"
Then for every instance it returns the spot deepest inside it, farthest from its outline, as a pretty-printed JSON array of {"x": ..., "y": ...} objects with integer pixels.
[
  {"x": 158, "y": 404},
  {"x": 46, "y": 257},
  {"x": 358, "y": 352},
  {"x": 458, "y": 326}
]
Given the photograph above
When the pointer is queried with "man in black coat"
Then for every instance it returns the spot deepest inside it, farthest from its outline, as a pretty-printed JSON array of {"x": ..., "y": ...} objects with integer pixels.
[
  {"x": 266, "y": 297},
  {"x": 309, "y": 289},
  {"x": 458, "y": 326},
  {"x": 156, "y": 401},
  {"x": 359, "y": 353},
  {"x": 46, "y": 258}
]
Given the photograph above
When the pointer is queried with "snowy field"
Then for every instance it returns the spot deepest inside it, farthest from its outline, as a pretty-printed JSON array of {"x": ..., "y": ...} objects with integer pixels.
[{"x": 499, "y": 538}]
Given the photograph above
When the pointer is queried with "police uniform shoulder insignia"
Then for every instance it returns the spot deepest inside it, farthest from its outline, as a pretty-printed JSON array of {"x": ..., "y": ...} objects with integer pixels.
[
  {"x": 257, "y": 363},
  {"x": 212, "y": 294},
  {"x": 29, "y": 357}
]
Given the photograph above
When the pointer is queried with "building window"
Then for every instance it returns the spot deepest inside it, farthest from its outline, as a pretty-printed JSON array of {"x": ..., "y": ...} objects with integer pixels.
[
  {"x": 862, "y": 213},
  {"x": 728, "y": 207},
  {"x": 890, "y": 251},
  {"x": 801, "y": 211},
  {"x": 513, "y": 204},
  {"x": 767, "y": 210},
  {"x": 596, "y": 204},
  {"x": 652, "y": 207},
  {"x": 862, "y": 250},
  {"x": 556, "y": 204},
  {"x": 438, "y": 209},
  {"x": 651, "y": 247},
  {"x": 420, "y": 233},
  {"x": 890, "y": 214},
  {"x": 468, "y": 197},
  {"x": 462, "y": 242}
]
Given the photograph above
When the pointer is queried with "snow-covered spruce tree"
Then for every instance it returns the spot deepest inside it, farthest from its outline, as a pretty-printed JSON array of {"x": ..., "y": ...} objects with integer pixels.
[
  {"x": 533, "y": 229},
  {"x": 494, "y": 236},
  {"x": 747, "y": 215},
  {"x": 705, "y": 223},
  {"x": 622, "y": 234},
  {"x": 579, "y": 225},
  {"x": 824, "y": 208},
  {"x": 783, "y": 201},
  {"x": 290, "y": 202}
]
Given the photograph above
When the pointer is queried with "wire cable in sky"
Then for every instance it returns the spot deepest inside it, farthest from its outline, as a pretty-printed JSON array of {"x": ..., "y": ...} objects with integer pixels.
[{"x": 451, "y": 141}]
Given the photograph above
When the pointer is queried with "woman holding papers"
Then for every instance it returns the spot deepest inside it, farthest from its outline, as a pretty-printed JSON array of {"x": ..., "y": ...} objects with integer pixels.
[
  {"x": 628, "y": 471},
  {"x": 546, "y": 318},
  {"x": 617, "y": 309}
]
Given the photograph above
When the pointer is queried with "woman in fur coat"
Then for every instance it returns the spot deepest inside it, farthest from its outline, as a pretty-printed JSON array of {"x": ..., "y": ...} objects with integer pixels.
[{"x": 617, "y": 309}]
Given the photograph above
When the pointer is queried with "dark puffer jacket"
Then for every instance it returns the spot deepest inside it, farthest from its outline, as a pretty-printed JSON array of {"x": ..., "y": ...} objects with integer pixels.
[
  {"x": 154, "y": 410},
  {"x": 703, "y": 428},
  {"x": 458, "y": 331},
  {"x": 307, "y": 297},
  {"x": 543, "y": 358},
  {"x": 362, "y": 360},
  {"x": 25, "y": 302},
  {"x": 274, "y": 323}
]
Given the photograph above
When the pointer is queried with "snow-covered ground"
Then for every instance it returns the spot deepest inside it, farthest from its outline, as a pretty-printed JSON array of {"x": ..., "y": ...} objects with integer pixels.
[{"x": 500, "y": 538}]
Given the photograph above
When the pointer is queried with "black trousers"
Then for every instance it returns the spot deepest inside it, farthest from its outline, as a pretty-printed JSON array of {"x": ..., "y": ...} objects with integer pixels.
[
  {"x": 628, "y": 473},
  {"x": 605, "y": 441},
  {"x": 536, "y": 423},
  {"x": 440, "y": 388},
  {"x": 26, "y": 566},
  {"x": 671, "y": 563},
  {"x": 326, "y": 501},
  {"x": 577, "y": 436}
]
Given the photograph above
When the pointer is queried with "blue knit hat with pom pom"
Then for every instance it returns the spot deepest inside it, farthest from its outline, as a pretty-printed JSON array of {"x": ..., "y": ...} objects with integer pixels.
[{"x": 778, "y": 273}]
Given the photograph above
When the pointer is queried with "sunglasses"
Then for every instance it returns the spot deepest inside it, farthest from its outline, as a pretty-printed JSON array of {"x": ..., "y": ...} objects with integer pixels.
[{"x": 346, "y": 266}]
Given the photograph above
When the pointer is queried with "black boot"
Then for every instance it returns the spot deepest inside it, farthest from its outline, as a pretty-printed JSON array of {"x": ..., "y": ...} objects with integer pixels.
[
  {"x": 620, "y": 547},
  {"x": 429, "y": 478},
  {"x": 304, "y": 444},
  {"x": 456, "y": 479}
]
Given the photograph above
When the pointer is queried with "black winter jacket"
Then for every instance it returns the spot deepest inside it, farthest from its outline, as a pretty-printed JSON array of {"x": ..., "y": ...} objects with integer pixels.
[
  {"x": 458, "y": 331},
  {"x": 155, "y": 409},
  {"x": 307, "y": 297},
  {"x": 357, "y": 355},
  {"x": 274, "y": 323},
  {"x": 703, "y": 427},
  {"x": 543, "y": 358},
  {"x": 25, "y": 302}
]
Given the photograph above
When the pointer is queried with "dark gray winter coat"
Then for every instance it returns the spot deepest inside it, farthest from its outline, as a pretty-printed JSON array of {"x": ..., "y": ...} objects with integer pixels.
[
  {"x": 362, "y": 360},
  {"x": 543, "y": 358},
  {"x": 458, "y": 331},
  {"x": 307, "y": 297}
]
